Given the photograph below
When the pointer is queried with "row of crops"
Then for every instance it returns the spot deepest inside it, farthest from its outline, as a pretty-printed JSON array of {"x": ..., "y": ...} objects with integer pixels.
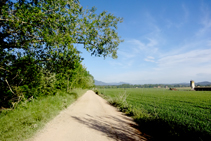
[{"x": 174, "y": 114}]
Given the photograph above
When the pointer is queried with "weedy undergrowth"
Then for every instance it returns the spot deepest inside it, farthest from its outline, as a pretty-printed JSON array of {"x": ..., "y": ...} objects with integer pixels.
[
  {"x": 120, "y": 101},
  {"x": 29, "y": 116}
]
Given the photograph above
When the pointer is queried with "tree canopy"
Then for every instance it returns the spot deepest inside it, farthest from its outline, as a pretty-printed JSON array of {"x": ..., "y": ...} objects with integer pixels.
[
  {"x": 37, "y": 45},
  {"x": 50, "y": 24}
]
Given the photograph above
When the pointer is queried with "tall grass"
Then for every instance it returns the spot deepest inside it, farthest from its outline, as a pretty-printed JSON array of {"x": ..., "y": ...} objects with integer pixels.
[
  {"x": 165, "y": 114},
  {"x": 22, "y": 122}
]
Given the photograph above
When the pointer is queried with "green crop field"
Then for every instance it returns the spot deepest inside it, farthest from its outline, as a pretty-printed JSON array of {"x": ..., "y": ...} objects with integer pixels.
[{"x": 180, "y": 113}]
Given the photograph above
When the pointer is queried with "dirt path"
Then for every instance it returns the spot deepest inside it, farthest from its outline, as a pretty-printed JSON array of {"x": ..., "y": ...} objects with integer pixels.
[{"x": 90, "y": 118}]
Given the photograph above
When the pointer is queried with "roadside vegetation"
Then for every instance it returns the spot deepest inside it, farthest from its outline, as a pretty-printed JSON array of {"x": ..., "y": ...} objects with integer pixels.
[
  {"x": 165, "y": 114},
  {"x": 29, "y": 116}
]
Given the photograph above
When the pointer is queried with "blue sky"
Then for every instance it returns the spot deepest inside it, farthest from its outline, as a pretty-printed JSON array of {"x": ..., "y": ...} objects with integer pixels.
[{"x": 164, "y": 42}]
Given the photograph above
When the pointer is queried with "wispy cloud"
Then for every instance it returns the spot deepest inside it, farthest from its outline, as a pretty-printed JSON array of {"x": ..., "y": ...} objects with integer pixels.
[
  {"x": 144, "y": 45},
  {"x": 209, "y": 43},
  {"x": 155, "y": 53},
  {"x": 182, "y": 22},
  {"x": 205, "y": 21},
  {"x": 125, "y": 54},
  {"x": 152, "y": 42},
  {"x": 186, "y": 13},
  {"x": 151, "y": 24},
  {"x": 150, "y": 59},
  {"x": 148, "y": 46},
  {"x": 191, "y": 58},
  {"x": 177, "y": 68},
  {"x": 121, "y": 64},
  {"x": 138, "y": 44}
]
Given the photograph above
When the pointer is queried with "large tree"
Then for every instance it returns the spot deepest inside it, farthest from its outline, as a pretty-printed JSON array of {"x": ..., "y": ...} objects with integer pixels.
[
  {"x": 37, "y": 44},
  {"x": 38, "y": 25}
]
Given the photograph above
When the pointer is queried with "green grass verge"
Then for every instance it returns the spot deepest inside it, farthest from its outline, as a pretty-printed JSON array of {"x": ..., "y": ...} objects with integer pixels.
[
  {"x": 165, "y": 114},
  {"x": 23, "y": 122}
]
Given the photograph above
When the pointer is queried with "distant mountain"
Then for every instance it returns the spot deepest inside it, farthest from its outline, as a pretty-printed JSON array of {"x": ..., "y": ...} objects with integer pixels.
[
  {"x": 183, "y": 84},
  {"x": 103, "y": 83},
  {"x": 204, "y": 83},
  {"x": 100, "y": 83}
]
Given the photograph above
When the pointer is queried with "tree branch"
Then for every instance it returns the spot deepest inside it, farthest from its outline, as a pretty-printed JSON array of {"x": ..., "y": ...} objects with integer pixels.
[
  {"x": 50, "y": 10},
  {"x": 12, "y": 21},
  {"x": 15, "y": 76},
  {"x": 4, "y": 69},
  {"x": 88, "y": 43},
  {"x": 9, "y": 86}
]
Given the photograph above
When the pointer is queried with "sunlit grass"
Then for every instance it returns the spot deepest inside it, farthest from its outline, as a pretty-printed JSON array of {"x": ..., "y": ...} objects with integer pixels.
[
  {"x": 175, "y": 113},
  {"x": 22, "y": 122}
]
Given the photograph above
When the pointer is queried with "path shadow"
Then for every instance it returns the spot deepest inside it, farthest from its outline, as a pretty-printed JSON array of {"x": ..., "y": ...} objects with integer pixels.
[
  {"x": 113, "y": 127},
  {"x": 159, "y": 129}
]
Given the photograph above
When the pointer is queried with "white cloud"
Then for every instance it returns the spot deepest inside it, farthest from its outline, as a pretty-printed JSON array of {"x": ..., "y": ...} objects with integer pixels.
[
  {"x": 149, "y": 42},
  {"x": 152, "y": 42},
  {"x": 126, "y": 55},
  {"x": 186, "y": 13},
  {"x": 177, "y": 68},
  {"x": 150, "y": 59},
  {"x": 138, "y": 44},
  {"x": 182, "y": 22},
  {"x": 195, "y": 57},
  {"x": 122, "y": 64},
  {"x": 149, "y": 45},
  {"x": 209, "y": 43},
  {"x": 169, "y": 75},
  {"x": 205, "y": 21}
]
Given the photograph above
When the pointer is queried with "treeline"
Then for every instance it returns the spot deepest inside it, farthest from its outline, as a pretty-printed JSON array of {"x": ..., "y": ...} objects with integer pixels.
[
  {"x": 23, "y": 75},
  {"x": 142, "y": 86},
  {"x": 38, "y": 53}
]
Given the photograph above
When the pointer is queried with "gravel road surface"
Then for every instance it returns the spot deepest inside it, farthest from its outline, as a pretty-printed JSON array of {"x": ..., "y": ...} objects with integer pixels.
[{"x": 90, "y": 118}]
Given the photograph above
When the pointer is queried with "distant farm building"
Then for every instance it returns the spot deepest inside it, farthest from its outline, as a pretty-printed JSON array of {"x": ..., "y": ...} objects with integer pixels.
[
  {"x": 192, "y": 84},
  {"x": 198, "y": 88},
  {"x": 202, "y": 88}
]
